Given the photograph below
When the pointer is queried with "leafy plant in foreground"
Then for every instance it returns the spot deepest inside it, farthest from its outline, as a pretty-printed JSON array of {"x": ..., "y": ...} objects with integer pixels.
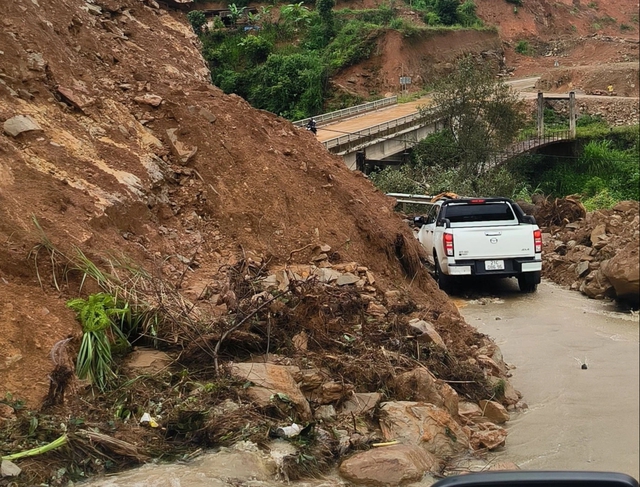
[{"x": 102, "y": 320}]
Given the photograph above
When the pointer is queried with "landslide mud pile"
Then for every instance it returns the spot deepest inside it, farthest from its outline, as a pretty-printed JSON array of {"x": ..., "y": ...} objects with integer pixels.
[{"x": 275, "y": 285}]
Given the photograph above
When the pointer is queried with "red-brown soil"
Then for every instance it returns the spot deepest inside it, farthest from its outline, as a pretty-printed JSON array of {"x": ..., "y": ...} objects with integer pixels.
[{"x": 102, "y": 176}]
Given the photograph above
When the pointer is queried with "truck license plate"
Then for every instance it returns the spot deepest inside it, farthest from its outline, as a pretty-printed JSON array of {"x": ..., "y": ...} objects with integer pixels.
[{"x": 494, "y": 265}]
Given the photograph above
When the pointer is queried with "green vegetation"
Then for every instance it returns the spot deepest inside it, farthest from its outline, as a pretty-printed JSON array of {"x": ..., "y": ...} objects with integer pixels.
[
  {"x": 197, "y": 20},
  {"x": 103, "y": 321},
  {"x": 603, "y": 171},
  {"x": 481, "y": 117},
  {"x": 280, "y": 59},
  {"x": 603, "y": 168},
  {"x": 523, "y": 47}
]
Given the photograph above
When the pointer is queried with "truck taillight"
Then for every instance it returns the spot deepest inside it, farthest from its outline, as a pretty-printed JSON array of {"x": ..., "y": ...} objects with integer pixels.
[
  {"x": 537, "y": 241},
  {"x": 447, "y": 240}
]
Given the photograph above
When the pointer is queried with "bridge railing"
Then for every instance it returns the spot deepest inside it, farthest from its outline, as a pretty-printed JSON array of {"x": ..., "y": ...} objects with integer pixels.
[
  {"x": 347, "y": 112},
  {"x": 354, "y": 139},
  {"x": 533, "y": 141}
]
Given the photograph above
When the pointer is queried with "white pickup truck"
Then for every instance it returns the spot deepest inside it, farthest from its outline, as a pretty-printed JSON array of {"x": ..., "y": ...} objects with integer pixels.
[{"x": 481, "y": 237}]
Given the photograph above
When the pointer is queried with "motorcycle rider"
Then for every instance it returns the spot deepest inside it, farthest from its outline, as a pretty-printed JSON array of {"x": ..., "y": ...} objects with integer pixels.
[{"x": 311, "y": 125}]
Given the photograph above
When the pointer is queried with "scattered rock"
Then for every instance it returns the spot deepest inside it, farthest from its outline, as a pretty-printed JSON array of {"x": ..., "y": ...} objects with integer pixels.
[
  {"x": 19, "y": 124},
  {"x": 494, "y": 411},
  {"x": 346, "y": 279},
  {"x": 391, "y": 465},
  {"x": 426, "y": 332},
  {"x": 9, "y": 469},
  {"x": 149, "y": 99},
  {"x": 416, "y": 423},
  {"x": 183, "y": 152},
  {"x": 270, "y": 380},
  {"x": 360, "y": 403}
]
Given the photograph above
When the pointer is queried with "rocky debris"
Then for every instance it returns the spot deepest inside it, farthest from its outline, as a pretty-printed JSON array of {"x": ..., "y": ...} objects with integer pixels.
[
  {"x": 19, "y": 124},
  {"x": 418, "y": 385},
  {"x": 423, "y": 424},
  {"x": 77, "y": 100},
  {"x": 487, "y": 435},
  {"x": 9, "y": 469},
  {"x": 615, "y": 112},
  {"x": 272, "y": 383},
  {"x": 183, "y": 152},
  {"x": 494, "y": 411},
  {"x": 149, "y": 99},
  {"x": 425, "y": 332},
  {"x": 361, "y": 403},
  {"x": 390, "y": 465},
  {"x": 596, "y": 254},
  {"x": 7, "y": 413}
]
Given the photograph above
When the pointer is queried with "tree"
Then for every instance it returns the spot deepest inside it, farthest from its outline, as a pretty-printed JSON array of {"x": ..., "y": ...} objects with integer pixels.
[
  {"x": 325, "y": 11},
  {"x": 197, "y": 20},
  {"x": 235, "y": 12},
  {"x": 447, "y": 10},
  {"x": 296, "y": 14},
  {"x": 481, "y": 115}
]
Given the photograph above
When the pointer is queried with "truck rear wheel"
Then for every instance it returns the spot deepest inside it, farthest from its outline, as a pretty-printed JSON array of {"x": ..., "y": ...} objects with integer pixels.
[
  {"x": 528, "y": 282},
  {"x": 444, "y": 281}
]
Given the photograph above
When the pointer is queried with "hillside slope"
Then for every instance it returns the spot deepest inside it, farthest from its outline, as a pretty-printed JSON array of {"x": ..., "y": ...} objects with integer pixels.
[{"x": 136, "y": 153}]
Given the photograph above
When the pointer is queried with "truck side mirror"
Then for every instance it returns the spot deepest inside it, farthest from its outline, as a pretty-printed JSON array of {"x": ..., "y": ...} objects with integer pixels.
[{"x": 418, "y": 221}]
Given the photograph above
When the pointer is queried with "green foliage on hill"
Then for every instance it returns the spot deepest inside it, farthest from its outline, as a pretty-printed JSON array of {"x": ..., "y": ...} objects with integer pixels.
[{"x": 281, "y": 58}]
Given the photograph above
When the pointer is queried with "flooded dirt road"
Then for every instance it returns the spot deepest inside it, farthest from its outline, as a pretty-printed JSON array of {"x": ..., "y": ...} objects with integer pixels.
[{"x": 582, "y": 419}]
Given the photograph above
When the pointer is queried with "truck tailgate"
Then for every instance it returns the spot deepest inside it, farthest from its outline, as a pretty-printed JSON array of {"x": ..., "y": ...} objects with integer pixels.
[{"x": 506, "y": 241}]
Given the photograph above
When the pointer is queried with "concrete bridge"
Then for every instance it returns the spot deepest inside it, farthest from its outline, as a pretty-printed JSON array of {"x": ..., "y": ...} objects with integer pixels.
[{"x": 382, "y": 133}]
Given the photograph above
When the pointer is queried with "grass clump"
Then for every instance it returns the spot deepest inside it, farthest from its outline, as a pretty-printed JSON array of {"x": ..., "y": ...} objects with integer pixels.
[{"x": 103, "y": 320}]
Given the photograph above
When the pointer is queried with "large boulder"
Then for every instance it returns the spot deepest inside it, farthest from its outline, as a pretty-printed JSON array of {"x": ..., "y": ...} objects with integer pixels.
[
  {"x": 426, "y": 425},
  {"x": 494, "y": 411},
  {"x": 418, "y": 385},
  {"x": 391, "y": 465},
  {"x": 272, "y": 382},
  {"x": 623, "y": 272},
  {"x": 596, "y": 285},
  {"x": 361, "y": 403}
]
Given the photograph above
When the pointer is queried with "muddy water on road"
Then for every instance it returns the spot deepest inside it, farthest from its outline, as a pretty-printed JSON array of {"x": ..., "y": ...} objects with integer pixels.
[{"x": 577, "y": 419}]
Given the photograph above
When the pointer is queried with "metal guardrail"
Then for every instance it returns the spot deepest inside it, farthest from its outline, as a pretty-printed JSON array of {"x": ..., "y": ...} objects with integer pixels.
[
  {"x": 349, "y": 141},
  {"x": 346, "y": 112}
]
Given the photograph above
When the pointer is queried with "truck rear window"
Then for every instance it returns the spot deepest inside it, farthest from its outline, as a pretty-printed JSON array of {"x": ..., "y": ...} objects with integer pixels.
[{"x": 479, "y": 213}]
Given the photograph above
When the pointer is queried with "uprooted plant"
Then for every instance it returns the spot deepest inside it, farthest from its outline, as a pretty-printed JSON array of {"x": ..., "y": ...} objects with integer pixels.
[{"x": 103, "y": 321}]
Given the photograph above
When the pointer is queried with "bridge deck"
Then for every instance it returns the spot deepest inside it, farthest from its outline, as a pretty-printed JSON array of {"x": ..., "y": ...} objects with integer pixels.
[{"x": 369, "y": 119}]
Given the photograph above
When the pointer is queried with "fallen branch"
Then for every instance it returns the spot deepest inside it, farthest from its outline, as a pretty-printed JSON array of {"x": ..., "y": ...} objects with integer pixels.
[{"x": 114, "y": 445}]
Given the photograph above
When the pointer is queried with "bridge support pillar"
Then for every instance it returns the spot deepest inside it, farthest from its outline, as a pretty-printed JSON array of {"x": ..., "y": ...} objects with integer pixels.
[
  {"x": 540, "y": 114},
  {"x": 572, "y": 114}
]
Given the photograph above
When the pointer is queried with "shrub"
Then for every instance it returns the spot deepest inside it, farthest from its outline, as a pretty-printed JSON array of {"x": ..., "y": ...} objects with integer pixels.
[
  {"x": 431, "y": 18},
  {"x": 515, "y": 2},
  {"x": 588, "y": 119},
  {"x": 522, "y": 47},
  {"x": 447, "y": 10},
  {"x": 600, "y": 201},
  {"x": 256, "y": 48},
  {"x": 353, "y": 43},
  {"x": 197, "y": 20}
]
